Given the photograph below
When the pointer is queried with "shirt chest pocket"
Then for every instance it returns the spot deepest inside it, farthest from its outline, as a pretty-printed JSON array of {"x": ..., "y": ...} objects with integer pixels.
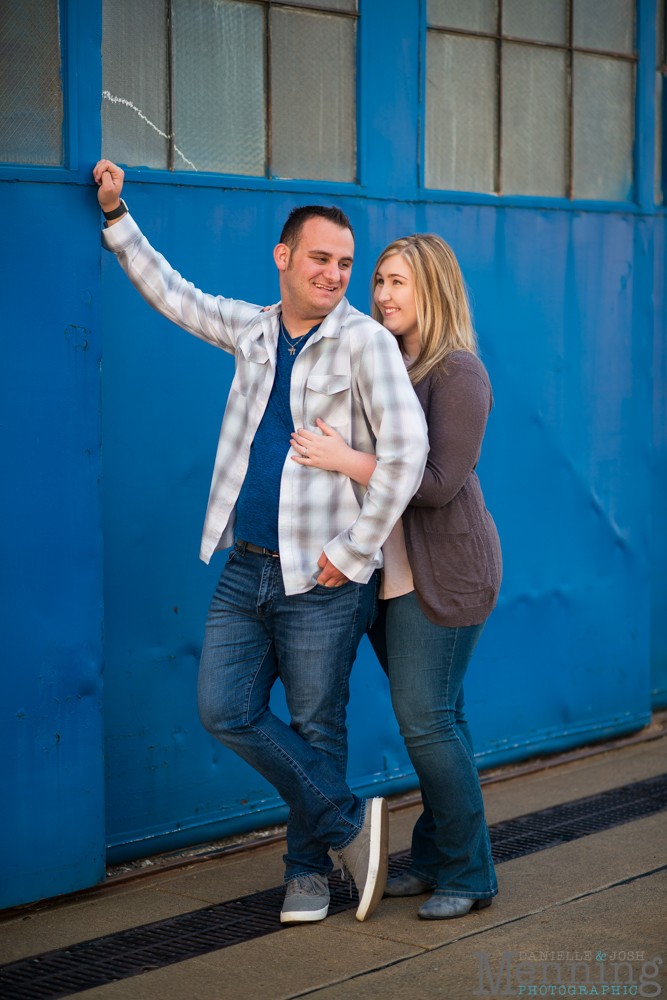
[
  {"x": 250, "y": 369},
  {"x": 328, "y": 397}
]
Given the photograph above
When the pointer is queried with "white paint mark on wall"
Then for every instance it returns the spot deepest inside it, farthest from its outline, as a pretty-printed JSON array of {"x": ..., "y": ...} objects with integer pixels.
[{"x": 128, "y": 104}]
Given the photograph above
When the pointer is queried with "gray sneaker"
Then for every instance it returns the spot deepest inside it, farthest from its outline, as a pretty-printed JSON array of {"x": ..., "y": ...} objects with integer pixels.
[
  {"x": 306, "y": 899},
  {"x": 365, "y": 859}
]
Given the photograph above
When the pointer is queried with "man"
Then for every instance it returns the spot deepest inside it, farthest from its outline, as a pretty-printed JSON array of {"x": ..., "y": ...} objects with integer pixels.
[{"x": 297, "y": 592}]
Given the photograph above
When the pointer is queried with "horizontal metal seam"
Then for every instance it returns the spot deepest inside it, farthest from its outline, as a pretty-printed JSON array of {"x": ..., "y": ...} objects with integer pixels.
[{"x": 538, "y": 739}]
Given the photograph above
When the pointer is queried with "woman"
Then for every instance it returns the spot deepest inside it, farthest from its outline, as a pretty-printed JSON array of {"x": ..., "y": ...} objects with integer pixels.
[{"x": 442, "y": 569}]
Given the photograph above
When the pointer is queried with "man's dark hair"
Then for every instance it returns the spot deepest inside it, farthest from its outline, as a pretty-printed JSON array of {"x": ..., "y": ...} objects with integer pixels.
[{"x": 298, "y": 217}]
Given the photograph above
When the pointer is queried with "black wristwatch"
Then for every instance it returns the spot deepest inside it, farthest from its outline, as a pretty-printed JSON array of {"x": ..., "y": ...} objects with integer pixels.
[{"x": 117, "y": 212}]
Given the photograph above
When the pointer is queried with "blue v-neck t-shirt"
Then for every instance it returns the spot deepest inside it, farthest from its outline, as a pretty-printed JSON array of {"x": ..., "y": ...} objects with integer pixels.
[{"x": 259, "y": 499}]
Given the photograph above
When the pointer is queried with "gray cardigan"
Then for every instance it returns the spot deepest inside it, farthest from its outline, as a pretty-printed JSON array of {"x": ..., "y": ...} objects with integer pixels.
[{"x": 451, "y": 540}]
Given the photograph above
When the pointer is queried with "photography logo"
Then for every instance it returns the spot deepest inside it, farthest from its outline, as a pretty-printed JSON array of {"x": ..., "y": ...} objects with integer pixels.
[{"x": 564, "y": 973}]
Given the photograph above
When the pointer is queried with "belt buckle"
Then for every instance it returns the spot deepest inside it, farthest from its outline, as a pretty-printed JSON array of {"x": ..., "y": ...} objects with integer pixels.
[{"x": 260, "y": 549}]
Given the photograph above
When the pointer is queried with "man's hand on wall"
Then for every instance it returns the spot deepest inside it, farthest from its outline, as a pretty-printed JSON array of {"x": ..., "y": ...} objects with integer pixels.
[{"x": 109, "y": 180}]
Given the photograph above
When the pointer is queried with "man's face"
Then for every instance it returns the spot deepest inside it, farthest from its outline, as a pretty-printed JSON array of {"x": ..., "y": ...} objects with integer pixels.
[{"x": 315, "y": 275}]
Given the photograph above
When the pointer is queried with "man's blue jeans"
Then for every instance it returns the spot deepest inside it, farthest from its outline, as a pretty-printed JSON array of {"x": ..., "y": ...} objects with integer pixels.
[
  {"x": 426, "y": 664},
  {"x": 255, "y": 634}
]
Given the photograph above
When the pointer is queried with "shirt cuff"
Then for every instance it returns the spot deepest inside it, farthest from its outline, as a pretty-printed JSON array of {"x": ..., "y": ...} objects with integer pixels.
[
  {"x": 118, "y": 237},
  {"x": 350, "y": 562}
]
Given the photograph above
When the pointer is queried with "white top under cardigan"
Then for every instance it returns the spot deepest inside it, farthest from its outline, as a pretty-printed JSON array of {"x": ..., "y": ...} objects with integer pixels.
[{"x": 396, "y": 575}]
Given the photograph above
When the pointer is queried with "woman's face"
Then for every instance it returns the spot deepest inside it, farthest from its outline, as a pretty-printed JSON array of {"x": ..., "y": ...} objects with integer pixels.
[{"x": 394, "y": 296}]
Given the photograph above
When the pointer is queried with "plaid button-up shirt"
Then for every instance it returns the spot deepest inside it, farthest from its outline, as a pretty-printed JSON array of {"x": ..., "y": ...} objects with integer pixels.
[{"x": 350, "y": 373}]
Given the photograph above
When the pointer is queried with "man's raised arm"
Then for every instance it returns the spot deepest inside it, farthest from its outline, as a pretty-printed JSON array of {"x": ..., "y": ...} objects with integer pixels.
[{"x": 212, "y": 318}]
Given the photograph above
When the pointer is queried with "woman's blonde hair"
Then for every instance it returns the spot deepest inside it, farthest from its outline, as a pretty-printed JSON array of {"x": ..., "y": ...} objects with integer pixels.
[{"x": 443, "y": 311}]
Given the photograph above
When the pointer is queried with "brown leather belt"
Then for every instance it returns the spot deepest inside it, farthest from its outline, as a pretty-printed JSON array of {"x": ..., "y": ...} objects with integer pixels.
[{"x": 257, "y": 548}]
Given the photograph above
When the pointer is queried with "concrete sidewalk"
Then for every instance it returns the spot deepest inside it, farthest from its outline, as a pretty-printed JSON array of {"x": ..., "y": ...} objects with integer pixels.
[{"x": 604, "y": 894}]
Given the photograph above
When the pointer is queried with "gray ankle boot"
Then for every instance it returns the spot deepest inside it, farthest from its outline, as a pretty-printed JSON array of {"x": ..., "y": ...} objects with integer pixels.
[
  {"x": 406, "y": 884},
  {"x": 446, "y": 907}
]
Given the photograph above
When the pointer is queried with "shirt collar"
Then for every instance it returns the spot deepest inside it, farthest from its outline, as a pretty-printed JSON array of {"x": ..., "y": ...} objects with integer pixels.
[
  {"x": 331, "y": 325},
  {"x": 267, "y": 329}
]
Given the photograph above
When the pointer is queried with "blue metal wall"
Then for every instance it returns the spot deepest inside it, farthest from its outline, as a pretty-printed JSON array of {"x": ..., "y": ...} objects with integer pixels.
[
  {"x": 659, "y": 479},
  {"x": 563, "y": 308},
  {"x": 570, "y": 309},
  {"x": 52, "y": 834}
]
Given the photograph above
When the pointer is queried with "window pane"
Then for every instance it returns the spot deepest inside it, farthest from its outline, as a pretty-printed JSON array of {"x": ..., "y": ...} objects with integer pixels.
[
  {"x": 534, "y": 121},
  {"x": 544, "y": 21},
  {"x": 31, "y": 104},
  {"x": 605, "y": 24},
  {"x": 603, "y": 127},
  {"x": 219, "y": 86},
  {"x": 313, "y": 106},
  {"x": 134, "y": 83},
  {"x": 475, "y": 15},
  {"x": 333, "y": 4},
  {"x": 460, "y": 112}
]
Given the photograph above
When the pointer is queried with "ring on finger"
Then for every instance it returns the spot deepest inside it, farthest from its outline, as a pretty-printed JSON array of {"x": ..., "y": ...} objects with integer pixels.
[{"x": 305, "y": 453}]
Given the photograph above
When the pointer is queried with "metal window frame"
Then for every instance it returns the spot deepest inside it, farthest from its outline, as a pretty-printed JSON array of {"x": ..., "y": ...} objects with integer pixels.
[
  {"x": 67, "y": 27},
  {"x": 499, "y": 37},
  {"x": 661, "y": 68},
  {"x": 268, "y": 5},
  {"x": 170, "y": 84}
]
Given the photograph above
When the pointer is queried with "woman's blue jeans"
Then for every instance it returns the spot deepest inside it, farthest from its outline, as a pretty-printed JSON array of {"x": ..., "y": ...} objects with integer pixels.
[
  {"x": 255, "y": 634},
  {"x": 426, "y": 664}
]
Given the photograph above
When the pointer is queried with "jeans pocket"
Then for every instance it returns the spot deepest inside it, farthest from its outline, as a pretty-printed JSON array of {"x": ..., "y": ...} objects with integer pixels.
[{"x": 320, "y": 588}]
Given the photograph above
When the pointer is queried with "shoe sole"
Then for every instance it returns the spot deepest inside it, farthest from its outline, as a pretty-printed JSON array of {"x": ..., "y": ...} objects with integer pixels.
[
  {"x": 303, "y": 916},
  {"x": 378, "y": 859}
]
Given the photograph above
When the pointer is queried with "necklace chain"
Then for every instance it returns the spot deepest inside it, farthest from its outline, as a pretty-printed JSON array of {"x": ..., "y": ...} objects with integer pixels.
[{"x": 291, "y": 344}]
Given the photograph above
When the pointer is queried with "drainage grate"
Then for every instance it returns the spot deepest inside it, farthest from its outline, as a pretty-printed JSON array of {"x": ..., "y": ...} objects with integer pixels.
[
  {"x": 559, "y": 824},
  {"x": 152, "y": 946}
]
